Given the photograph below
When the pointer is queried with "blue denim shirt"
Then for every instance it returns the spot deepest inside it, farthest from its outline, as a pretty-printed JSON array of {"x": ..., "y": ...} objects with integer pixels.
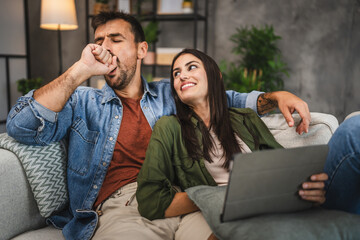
[{"x": 90, "y": 121}]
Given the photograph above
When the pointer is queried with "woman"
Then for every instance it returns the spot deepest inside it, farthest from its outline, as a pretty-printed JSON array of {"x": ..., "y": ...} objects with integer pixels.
[{"x": 195, "y": 146}]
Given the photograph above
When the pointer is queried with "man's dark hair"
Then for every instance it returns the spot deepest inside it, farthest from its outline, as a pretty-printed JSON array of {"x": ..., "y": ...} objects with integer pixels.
[{"x": 104, "y": 17}]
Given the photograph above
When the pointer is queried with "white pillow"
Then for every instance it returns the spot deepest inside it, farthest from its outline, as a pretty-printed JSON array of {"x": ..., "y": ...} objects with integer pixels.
[{"x": 322, "y": 127}]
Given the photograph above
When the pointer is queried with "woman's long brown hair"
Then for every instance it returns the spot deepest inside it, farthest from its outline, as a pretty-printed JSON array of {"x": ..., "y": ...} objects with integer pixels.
[{"x": 219, "y": 114}]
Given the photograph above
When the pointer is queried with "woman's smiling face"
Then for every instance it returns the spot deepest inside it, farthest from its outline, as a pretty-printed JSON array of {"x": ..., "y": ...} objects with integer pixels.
[{"x": 190, "y": 80}]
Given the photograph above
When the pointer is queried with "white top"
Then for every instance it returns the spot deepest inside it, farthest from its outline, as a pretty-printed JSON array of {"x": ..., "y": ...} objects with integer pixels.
[{"x": 220, "y": 174}]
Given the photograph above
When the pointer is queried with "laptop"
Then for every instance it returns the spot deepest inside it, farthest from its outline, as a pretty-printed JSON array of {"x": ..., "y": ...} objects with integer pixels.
[{"x": 268, "y": 181}]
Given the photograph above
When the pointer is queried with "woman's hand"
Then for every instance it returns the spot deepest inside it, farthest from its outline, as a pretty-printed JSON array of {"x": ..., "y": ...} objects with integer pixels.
[{"x": 314, "y": 191}]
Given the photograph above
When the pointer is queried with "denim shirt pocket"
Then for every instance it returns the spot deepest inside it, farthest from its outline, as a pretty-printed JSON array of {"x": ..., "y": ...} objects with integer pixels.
[{"x": 82, "y": 144}]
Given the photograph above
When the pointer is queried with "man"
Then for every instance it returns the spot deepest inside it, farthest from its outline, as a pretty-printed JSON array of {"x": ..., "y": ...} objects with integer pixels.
[{"x": 108, "y": 130}]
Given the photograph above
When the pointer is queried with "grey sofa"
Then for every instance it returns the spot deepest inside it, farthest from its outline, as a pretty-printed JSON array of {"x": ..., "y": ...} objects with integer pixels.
[{"x": 20, "y": 217}]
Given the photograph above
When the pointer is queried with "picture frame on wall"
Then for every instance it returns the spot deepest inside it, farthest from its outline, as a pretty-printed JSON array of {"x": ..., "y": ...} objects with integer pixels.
[
  {"x": 124, "y": 6},
  {"x": 170, "y": 6}
]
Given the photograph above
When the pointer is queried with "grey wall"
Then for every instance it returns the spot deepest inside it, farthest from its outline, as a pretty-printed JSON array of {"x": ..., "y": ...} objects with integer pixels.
[
  {"x": 319, "y": 42},
  {"x": 12, "y": 41}
]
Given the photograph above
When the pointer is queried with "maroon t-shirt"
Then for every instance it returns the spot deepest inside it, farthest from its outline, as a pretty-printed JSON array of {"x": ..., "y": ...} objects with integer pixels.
[{"x": 130, "y": 148}]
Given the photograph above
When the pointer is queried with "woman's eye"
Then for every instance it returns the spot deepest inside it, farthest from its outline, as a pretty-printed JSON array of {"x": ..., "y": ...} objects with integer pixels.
[
  {"x": 176, "y": 74},
  {"x": 191, "y": 67}
]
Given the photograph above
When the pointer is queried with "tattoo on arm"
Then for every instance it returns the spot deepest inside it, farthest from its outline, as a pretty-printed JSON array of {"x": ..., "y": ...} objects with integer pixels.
[{"x": 265, "y": 103}]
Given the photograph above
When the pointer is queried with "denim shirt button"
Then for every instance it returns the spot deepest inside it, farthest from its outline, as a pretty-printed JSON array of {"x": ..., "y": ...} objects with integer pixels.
[
  {"x": 104, "y": 164},
  {"x": 116, "y": 117},
  {"x": 111, "y": 138},
  {"x": 95, "y": 186}
]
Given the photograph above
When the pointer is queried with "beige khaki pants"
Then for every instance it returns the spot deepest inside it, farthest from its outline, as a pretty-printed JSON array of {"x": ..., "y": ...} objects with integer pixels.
[{"x": 120, "y": 219}]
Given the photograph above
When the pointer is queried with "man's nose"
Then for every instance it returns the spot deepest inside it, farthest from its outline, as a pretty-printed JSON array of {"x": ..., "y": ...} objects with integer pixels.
[{"x": 106, "y": 44}]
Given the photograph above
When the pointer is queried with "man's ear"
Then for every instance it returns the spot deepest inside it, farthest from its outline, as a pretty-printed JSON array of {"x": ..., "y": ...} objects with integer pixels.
[{"x": 142, "y": 50}]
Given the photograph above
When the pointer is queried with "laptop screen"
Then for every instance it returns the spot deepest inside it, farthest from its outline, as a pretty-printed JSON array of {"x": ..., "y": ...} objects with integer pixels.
[{"x": 268, "y": 181}]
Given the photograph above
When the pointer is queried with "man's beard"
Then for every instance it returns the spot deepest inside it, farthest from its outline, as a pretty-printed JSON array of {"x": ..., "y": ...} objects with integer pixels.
[{"x": 124, "y": 78}]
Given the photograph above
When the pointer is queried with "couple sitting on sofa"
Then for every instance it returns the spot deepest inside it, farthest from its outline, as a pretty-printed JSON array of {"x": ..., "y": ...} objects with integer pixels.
[{"x": 108, "y": 131}]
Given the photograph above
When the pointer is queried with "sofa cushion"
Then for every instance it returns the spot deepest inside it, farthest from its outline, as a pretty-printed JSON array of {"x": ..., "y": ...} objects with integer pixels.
[
  {"x": 45, "y": 169},
  {"x": 313, "y": 224},
  {"x": 19, "y": 212},
  {"x": 322, "y": 127}
]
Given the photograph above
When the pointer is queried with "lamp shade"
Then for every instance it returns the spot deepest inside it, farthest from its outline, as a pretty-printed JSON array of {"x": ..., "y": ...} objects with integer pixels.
[{"x": 58, "y": 15}]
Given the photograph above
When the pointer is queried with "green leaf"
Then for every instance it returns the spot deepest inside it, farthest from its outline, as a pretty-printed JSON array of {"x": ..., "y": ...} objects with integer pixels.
[
  {"x": 151, "y": 32},
  {"x": 257, "y": 50},
  {"x": 25, "y": 85}
]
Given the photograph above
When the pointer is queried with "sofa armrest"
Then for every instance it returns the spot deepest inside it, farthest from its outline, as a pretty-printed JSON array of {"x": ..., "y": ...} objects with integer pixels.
[
  {"x": 321, "y": 128},
  {"x": 352, "y": 115},
  {"x": 19, "y": 212}
]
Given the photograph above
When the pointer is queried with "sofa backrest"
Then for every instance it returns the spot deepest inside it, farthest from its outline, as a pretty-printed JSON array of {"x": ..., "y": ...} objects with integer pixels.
[{"x": 322, "y": 127}]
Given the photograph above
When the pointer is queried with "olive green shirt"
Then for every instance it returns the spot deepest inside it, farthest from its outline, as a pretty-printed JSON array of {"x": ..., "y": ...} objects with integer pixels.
[{"x": 167, "y": 162}]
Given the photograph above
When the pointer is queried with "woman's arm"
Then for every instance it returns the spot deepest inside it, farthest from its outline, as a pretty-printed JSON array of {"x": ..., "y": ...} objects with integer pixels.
[
  {"x": 156, "y": 178},
  {"x": 180, "y": 205}
]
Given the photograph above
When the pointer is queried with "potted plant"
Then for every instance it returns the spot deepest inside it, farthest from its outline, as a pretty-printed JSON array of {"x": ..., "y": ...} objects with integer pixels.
[
  {"x": 101, "y": 6},
  {"x": 261, "y": 66},
  {"x": 25, "y": 85},
  {"x": 239, "y": 78},
  {"x": 151, "y": 31}
]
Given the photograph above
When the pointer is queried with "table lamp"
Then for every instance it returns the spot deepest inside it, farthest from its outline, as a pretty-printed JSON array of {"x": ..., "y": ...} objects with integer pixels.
[{"x": 58, "y": 15}]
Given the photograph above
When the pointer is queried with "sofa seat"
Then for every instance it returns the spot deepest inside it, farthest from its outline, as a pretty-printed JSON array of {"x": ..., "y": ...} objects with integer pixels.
[{"x": 45, "y": 233}]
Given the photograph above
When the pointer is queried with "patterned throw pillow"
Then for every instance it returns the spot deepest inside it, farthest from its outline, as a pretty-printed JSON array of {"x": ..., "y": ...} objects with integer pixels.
[{"x": 45, "y": 168}]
